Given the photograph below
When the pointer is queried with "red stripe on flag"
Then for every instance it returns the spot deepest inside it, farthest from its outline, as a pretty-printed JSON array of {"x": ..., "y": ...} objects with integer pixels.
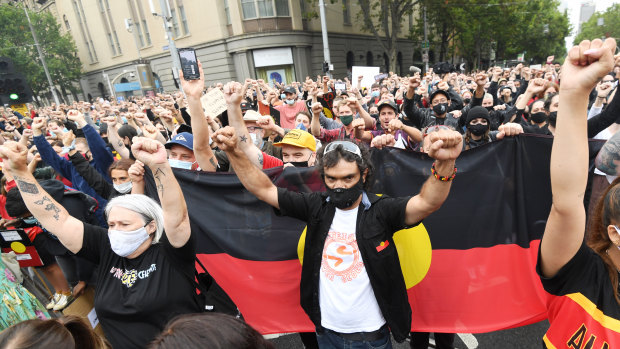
[
  {"x": 266, "y": 293},
  {"x": 465, "y": 291},
  {"x": 479, "y": 290}
]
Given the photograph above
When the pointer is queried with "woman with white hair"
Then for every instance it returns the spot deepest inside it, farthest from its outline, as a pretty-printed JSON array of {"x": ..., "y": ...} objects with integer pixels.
[{"x": 146, "y": 257}]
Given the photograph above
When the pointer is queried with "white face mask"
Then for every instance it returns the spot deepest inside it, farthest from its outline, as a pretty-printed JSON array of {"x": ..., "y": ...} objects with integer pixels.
[
  {"x": 125, "y": 243},
  {"x": 123, "y": 188},
  {"x": 186, "y": 165},
  {"x": 256, "y": 140}
]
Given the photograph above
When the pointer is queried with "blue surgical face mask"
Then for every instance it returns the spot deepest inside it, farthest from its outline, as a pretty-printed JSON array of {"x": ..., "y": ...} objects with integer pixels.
[
  {"x": 30, "y": 220},
  {"x": 186, "y": 165},
  {"x": 289, "y": 101},
  {"x": 375, "y": 93},
  {"x": 301, "y": 126},
  {"x": 283, "y": 96},
  {"x": 124, "y": 120}
]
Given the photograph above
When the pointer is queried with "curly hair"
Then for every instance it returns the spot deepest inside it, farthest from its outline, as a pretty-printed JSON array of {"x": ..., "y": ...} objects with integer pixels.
[{"x": 331, "y": 159}]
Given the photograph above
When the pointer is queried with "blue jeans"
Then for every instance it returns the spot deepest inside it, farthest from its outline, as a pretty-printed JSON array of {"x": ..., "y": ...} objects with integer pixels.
[{"x": 330, "y": 340}]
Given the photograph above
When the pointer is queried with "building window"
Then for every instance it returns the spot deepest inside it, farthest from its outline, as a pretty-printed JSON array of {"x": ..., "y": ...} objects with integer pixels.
[
  {"x": 350, "y": 60},
  {"x": 64, "y": 18},
  {"x": 369, "y": 59},
  {"x": 139, "y": 32},
  {"x": 81, "y": 19},
  {"x": 264, "y": 8},
  {"x": 346, "y": 12},
  {"x": 175, "y": 23},
  {"x": 147, "y": 35},
  {"x": 183, "y": 20},
  {"x": 227, "y": 11}
]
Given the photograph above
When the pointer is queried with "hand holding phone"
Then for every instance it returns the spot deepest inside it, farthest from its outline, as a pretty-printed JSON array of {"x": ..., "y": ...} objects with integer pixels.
[{"x": 189, "y": 64}]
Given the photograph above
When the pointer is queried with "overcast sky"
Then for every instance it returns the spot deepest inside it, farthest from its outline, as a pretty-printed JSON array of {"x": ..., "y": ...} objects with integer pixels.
[{"x": 573, "y": 13}]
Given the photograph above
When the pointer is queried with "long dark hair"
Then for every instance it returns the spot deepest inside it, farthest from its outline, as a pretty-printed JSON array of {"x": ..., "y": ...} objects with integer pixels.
[
  {"x": 333, "y": 157},
  {"x": 209, "y": 330},
  {"x": 607, "y": 208}
]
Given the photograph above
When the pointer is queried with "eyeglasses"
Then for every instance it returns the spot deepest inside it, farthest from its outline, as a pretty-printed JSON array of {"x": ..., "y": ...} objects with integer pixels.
[
  {"x": 348, "y": 146},
  {"x": 254, "y": 128}
]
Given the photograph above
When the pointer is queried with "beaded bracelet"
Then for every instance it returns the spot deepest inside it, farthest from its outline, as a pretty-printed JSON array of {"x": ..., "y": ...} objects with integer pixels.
[{"x": 442, "y": 178}]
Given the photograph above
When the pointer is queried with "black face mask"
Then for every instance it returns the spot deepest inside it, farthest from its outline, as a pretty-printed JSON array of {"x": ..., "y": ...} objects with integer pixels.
[
  {"x": 489, "y": 109},
  {"x": 376, "y": 116},
  {"x": 539, "y": 117},
  {"x": 298, "y": 163},
  {"x": 343, "y": 198},
  {"x": 466, "y": 100},
  {"x": 440, "y": 108},
  {"x": 553, "y": 117},
  {"x": 478, "y": 129}
]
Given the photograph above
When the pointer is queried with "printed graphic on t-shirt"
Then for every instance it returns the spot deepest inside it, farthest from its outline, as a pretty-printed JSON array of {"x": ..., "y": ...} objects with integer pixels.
[
  {"x": 129, "y": 277},
  {"x": 341, "y": 257}
]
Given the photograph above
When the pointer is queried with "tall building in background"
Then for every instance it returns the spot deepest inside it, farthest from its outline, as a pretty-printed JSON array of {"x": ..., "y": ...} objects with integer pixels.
[
  {"x": 234, "y": 40},
  {"x": 585, "y": 12}
]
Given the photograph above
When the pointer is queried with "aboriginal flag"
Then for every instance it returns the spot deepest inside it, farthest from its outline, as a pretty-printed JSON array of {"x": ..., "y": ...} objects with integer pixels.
[{"x": 469, "y": 267}]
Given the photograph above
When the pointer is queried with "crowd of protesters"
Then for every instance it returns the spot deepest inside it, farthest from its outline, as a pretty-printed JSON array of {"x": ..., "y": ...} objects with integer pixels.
[{"x": 76, "y": 179}]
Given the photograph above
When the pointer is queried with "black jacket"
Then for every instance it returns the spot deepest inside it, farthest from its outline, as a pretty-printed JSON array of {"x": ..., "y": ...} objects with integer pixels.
[
  {"x": 378, "y": 219},
  {"x": 423, "y": 117}
]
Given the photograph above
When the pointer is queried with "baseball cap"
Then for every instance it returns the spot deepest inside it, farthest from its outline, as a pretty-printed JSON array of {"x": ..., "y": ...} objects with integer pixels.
[
  {"x": 438, "y": 91},
  {"x": 298, "y": 138},
  {"x": 388, "y": 103},
  {"x": 245, "y": 105},
  {"x": 185, "y": 139},
  {"x": 290, "y": 89}
]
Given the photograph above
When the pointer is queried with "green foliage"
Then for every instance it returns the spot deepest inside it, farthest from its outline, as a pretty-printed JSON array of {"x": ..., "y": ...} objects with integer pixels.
[
  {"x": 610, "y": 28},
  {"x": 59, "y": 49},
  {"x": 536, "y": 27}
]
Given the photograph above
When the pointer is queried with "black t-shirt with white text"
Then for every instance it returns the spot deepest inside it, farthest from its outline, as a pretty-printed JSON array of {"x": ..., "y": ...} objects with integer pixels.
[{"x": 135, "y": 298}]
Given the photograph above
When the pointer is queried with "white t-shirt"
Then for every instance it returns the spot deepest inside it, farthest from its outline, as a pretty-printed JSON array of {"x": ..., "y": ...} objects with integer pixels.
[{"x": 347, "y": 301}]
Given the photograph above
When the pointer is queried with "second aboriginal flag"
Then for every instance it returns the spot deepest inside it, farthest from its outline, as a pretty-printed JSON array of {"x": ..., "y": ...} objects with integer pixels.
[{"x": 469, "y": 267}]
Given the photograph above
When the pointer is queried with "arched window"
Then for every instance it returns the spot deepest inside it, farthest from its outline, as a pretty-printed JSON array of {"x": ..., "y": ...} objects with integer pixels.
[
  {"x": 369, "y": 60},
  {"x": 386, "y": 63},
  {"x": 350, "y": 60},
  {"x": 101, "y": 89}
]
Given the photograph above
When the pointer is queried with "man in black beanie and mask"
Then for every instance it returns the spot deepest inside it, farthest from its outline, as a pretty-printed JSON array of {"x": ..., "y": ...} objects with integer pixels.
[{"x": 352, "y": 287}]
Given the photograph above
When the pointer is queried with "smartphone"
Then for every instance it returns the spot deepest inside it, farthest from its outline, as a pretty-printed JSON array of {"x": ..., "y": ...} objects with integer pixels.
[{"x": 189, "y": 63}]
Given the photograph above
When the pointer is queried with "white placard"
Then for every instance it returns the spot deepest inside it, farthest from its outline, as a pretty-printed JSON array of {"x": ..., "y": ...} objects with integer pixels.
[
  {"x": 92, "y": 318},
  {"x": 272, "y": 56},
  {"x": 23, "y": 257},
  {"x": 536, "y": 66},
  {"x": 11, "y": 236},
  {"x": 213, "y": 102},
  {"x": 368, "y": 73}
]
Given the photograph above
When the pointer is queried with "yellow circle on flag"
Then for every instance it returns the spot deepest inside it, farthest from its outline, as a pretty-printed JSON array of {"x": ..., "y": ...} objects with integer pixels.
[
  {"x": 18, "y": 247},
  {"x": 414, "y": 251}
]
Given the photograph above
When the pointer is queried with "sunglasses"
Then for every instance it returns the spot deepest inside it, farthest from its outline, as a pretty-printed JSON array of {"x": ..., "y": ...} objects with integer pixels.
[{"x": 348, "y": 146}]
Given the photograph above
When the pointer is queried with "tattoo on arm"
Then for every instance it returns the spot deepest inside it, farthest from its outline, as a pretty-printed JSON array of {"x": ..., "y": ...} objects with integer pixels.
[
  {"x": 243, "y": 138},
  {"x": 49, "y": 206},
  {"x": 609, "y": 157},
  {"x": 159, "y": 183},
  {"x": 120, "y": 144},
  {"x": 260, "y": 159},
  {"x": 28, "y": 188},
  {"x": 212, "y": 161}
]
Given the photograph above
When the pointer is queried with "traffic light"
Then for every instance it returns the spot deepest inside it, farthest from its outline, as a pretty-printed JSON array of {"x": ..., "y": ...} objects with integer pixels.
[{"x": 14, "y": 88}]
